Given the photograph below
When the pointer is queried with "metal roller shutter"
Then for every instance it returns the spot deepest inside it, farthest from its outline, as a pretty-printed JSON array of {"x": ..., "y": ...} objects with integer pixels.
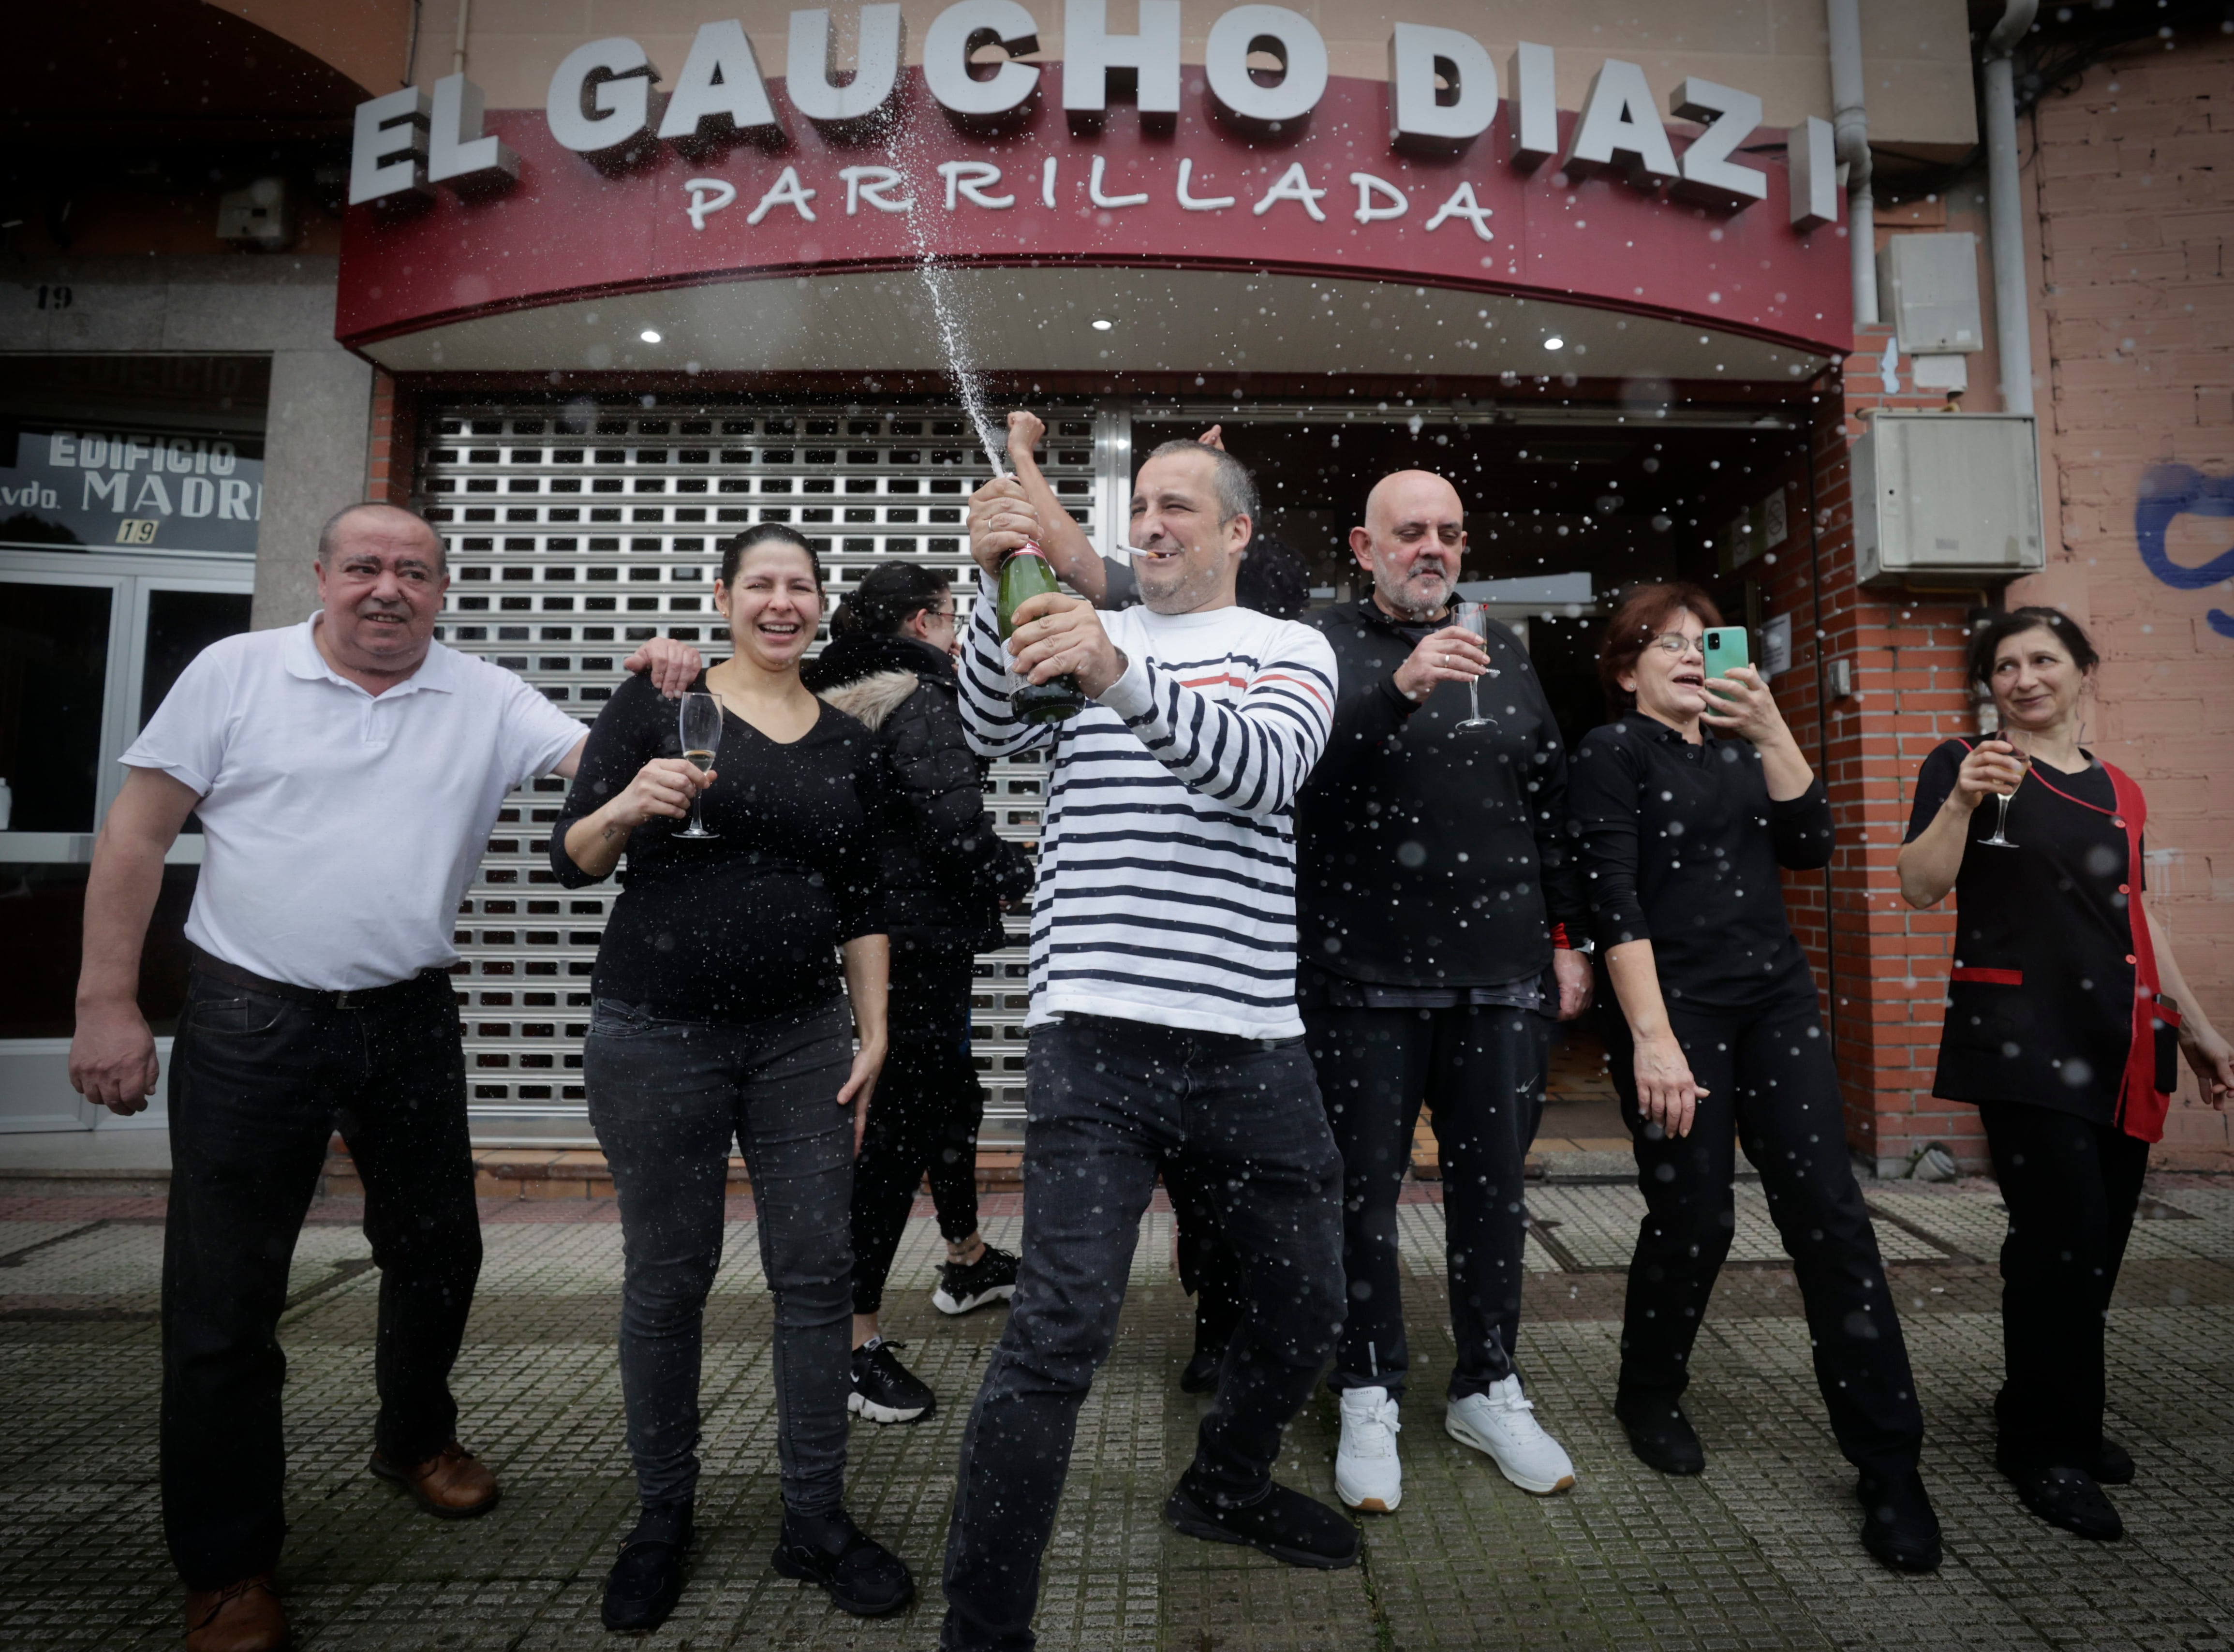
[{"x": 576, "y": 533}]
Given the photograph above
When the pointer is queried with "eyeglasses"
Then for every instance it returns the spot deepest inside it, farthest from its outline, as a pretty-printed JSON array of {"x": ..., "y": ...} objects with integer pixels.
[{"x": 1677, "y": 643}]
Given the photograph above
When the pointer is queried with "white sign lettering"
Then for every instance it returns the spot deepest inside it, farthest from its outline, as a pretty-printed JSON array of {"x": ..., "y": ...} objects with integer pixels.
[
  {"x": 811, "y": 62},
  {"x": 1090, "y": 51},
  {"x": 1418, "y": 118},
  {"x": 615, "y": 77},
  {"x": 720, "y": 83},
  {"x": 961, "y": 30},
  {"x": 1235, "y": 92}
]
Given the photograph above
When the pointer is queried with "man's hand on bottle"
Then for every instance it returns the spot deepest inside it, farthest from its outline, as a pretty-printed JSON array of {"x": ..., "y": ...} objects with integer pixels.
[
  {"x": 1059, "y": 636},
  {"x": 1000, "y": 519}
]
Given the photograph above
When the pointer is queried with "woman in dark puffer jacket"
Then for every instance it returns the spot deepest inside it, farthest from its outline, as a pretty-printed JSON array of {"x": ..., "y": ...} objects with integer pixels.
[{"x": 944, "y": 874}]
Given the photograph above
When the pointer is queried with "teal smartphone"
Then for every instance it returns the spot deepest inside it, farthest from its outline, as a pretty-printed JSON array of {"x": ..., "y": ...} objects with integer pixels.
[{"x": 1725, "y": 647}]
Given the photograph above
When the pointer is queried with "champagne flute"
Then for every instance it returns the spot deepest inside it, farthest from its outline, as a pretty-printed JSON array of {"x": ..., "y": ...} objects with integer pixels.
[
  {"x": 702, "y": 738},
  {"x": 2001, "y": 839},
  {"x": 1475, "y": 618}
]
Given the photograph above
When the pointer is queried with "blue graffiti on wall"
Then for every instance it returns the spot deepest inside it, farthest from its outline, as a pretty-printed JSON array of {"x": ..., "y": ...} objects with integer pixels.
[{"x": 2171, "y": 491}]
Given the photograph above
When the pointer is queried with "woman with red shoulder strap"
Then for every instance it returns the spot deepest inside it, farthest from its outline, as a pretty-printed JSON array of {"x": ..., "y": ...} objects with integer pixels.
[{"x": 2064, "y": 1008}]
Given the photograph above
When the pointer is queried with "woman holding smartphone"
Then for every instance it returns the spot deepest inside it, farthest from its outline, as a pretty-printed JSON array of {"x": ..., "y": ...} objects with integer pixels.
[
  {"x": 719, "y": 1016},
  {"x": 1685, "y": 807},
  {"x": 2064, "y": 1010}
]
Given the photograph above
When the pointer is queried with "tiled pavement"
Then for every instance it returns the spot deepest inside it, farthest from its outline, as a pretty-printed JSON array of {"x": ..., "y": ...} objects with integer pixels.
[{"x": 1759, "y": 1551}]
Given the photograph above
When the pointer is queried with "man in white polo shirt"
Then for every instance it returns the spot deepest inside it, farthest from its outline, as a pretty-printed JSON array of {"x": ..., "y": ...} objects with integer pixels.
[{"x": 346, "y": 772}]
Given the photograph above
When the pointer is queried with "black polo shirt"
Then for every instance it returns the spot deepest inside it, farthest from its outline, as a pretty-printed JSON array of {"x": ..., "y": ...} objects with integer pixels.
[{"x": 1681, "y": 846}]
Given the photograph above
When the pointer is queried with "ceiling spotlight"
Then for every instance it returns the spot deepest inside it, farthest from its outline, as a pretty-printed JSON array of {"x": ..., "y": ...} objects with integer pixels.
[
  {"x": 1102, "y": 324},
  {"x": 650, "y": 335},
  {"x": 1555, "y": 342}
]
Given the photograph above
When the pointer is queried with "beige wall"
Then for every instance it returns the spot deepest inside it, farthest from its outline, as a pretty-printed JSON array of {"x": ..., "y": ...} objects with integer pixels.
[
  {"x": 1917, "y": 51},
  {"x": 2135, "y": 307}
]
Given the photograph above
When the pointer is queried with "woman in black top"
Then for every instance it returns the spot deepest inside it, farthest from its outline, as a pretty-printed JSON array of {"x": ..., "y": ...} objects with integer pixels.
[
  {"x": 2062, "y": 1017},
  {"x": 1686, "y": 806},
  {"x": 944, "y": 872},
  {"x": 719, "y": 1016}
]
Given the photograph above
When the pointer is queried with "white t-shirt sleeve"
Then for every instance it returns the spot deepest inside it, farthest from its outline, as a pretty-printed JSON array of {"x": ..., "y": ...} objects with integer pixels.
[
  {"x": 187, "y": 737},
  {"x": 537, "y": 735}
]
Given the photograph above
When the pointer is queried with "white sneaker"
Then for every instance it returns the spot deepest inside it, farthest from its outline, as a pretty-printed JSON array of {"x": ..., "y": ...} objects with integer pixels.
[
  {"x": 1503, "y": 1424},
  {"x": 1366, "y": 1474}
]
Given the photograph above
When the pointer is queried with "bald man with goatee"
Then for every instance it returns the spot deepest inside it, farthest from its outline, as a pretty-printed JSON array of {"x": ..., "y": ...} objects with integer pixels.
[{"x": 1434, "y": 898}]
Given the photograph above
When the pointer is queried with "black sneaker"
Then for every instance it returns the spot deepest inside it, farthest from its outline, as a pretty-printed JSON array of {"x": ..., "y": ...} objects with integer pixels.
[
  {"x": 647, "y": 1578},
  {"x": 991, "y": 1278},
  {"x": 1898, "y": 1526},
  {"x": 886, "y": 1391},
  {"x": 2067, "y": 1496},
  {"x": 1660, "y": 1435},
  {"x": 1293, "y": 1529},
  {"x": 1201, "y": 1373},
  {"x": 862, "y": 1575}
]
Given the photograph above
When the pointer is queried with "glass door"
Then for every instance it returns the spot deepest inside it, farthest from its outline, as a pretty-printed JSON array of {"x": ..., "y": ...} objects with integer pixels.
[{"x": 89, "y": 646}]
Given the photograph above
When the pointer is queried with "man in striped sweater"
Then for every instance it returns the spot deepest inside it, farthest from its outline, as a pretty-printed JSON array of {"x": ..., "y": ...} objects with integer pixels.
[{"x": 1163, "y": 1033}]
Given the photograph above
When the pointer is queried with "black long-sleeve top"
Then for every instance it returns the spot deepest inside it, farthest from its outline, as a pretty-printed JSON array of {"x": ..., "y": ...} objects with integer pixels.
[
  {"x": 1429, "y": 855},
  {"x": 1680, "y": 846},
  {"x": 747, "y": 924}
]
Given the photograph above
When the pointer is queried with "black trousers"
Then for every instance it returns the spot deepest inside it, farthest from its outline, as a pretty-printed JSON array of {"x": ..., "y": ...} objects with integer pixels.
[
  {"x": 1775, "y": 1091},
  {"x": 1112, "y": 1103},
  {"x": 924, "y": 1117},
  {"x": 2072, "y": 1187},
  {"x": 1480, "y": 1071},
  {"x": 258, "y": 1085}
]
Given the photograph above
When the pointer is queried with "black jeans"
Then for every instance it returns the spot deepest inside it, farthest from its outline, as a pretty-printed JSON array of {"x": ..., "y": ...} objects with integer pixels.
[
  {"x": 258, "y": 1085},
  {"x": 666, "y": 1099},
  {"x": 2072, "y": 1187},
  {"x": 1774, "y": 1090},
  {"x": 924, "y": 1117},
  {"x": 1480, "y": 1071},
  {"x": 1111, "y": 1102}
]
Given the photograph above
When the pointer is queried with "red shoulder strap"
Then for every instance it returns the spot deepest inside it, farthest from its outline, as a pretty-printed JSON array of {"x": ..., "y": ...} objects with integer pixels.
[{"x": 2142, "y": 1105}]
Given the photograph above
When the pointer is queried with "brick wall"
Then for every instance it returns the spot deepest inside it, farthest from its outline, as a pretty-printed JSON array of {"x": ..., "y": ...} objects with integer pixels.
[
  {"x": 2134, "y": 192},
  {"x": 388, "y": 468}
]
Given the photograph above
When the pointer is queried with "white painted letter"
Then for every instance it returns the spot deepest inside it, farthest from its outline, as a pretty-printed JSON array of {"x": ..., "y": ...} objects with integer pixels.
[
  {"x": 721, "y": 81},
  {"x": 1287, "y": 35},
  {"x": 389, "y": 154},
  {"x": 1462, "y": 204},
  {"x": 1090, "y": 51},
  {"x": 708, "y": 195},
  {"x": 787, "y": 190},
  {"x": 869, "y": 184},
  {"x": 969, "y": 180},
  {"x": 1813, "y": 151},
  {"x": 1709, "y": 174},
  {"x": 810, "y": 59},
  {"x": 1203, "y": 204},
  {"x": 457, "y": 153},
  {"x": 1535, "y": 106},
  {"x": 1418, "y": 117},
  {"x": 961, "y": 30},
  {"x": 1619, "y": 118},
  {"x": 1293, "y": 185},
  {"x": 618, "y": 77},
  {"x": 1396, "y": 203},
  {"x": 1093, "y": 190}
]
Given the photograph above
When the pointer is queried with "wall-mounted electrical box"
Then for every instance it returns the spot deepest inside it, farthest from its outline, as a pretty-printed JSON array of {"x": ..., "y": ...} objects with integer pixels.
[
  {"x": 261, "y": 216},
  {"x": 1947, "y": 498},
  {"x": 1930, "y": 284}
]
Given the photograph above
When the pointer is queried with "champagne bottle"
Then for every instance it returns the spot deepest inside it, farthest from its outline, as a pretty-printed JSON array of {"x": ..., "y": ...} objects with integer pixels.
[{"x": 1025, "y": 574}]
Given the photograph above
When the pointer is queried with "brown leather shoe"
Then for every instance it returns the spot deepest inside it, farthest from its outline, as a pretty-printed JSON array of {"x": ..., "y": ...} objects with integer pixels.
[
  {"x": 452, "y": 1484},
  {"x": 240, "y": 1618}
]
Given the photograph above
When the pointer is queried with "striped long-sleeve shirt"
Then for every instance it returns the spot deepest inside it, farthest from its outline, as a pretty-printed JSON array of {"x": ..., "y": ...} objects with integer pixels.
[{"x": 1167, "y": 889}]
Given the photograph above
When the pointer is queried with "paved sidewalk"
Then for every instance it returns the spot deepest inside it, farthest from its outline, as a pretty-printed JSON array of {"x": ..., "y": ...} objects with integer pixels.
[{"x": 1758, "y": 1552}]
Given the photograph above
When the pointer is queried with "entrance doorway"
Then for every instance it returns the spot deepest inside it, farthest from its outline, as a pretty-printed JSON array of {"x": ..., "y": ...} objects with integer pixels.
[{"x": 89, "y": 644}]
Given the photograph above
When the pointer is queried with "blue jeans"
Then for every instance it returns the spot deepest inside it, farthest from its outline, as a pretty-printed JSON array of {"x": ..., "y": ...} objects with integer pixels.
[
  {"x": 1111, "y": 1102},
  {"x": 666, "y": 1098}
]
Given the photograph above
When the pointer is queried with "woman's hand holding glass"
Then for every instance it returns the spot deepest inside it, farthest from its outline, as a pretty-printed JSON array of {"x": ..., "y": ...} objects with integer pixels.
[
  {"x": 1993, "y": 768},
  {"x": 665, "y": 788}
]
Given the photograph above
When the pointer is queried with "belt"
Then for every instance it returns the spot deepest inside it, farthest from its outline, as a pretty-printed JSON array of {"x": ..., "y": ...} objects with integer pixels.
[{"x": 357, "y": 998}]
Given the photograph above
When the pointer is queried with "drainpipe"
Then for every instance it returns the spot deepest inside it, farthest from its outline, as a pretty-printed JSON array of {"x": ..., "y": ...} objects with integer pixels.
[
  {"x": 2012, "y": 319},
  {"x": 465, "y": 17},
  {"x": 1851, "y": 122}
]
